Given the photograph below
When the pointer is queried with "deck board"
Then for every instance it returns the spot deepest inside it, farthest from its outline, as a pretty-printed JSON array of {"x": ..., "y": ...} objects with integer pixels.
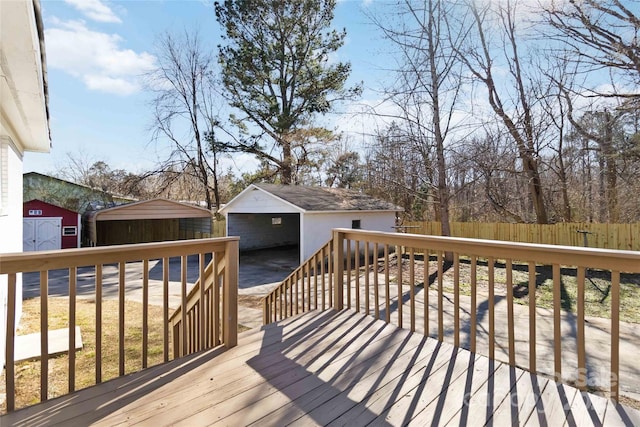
[{"x": 329, "y": 368}]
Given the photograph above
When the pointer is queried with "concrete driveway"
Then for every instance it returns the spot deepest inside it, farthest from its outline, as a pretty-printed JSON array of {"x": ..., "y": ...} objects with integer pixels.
[{"x": 259, "y": 272}]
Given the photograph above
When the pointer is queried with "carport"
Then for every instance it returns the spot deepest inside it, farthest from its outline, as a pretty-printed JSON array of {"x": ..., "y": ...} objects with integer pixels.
[
  {"x": 147, "y": 221},
  {"x": 274, "y": 216}
]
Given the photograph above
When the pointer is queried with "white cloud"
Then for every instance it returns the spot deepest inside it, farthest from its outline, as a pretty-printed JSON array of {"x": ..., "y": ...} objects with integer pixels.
[
  {"x": 110, "y": 84},
  {"x": 95, "y": 57},
  {"x": 95, "y": 10}
]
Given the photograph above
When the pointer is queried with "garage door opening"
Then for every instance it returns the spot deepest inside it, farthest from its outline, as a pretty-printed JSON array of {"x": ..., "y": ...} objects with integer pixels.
[{"x": 265, "y": 231}]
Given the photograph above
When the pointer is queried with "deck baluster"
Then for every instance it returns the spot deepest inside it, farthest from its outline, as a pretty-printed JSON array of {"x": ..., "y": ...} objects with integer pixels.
[
  {"x": 145, "y": 313},
  {"x": 456, "y": 299},
  {"x": 510, "y": 320},
  {"x": 474, "y": 302},
  {"x": 121, "y": 319},
  {"x": 532, "y": 317},
  {"x": 73, "y": 276},
  {"x": 440, "y": 296},
  {"x": 492, "y": 308},
  {"x": 580, "y": 335},
  {"x": 615, "y": 335},
  {"x": 44, "y": 336}
]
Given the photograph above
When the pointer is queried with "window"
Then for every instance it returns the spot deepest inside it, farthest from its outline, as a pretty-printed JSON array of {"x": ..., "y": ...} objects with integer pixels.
[
  {"x": 276, "y": 221},
  {"x": 355, "y": 224},
  {"x": 69, "y": 231}
]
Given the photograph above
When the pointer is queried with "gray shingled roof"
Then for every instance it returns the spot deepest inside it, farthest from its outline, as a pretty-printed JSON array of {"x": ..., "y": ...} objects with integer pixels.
[{"x": 327, "y": 199}]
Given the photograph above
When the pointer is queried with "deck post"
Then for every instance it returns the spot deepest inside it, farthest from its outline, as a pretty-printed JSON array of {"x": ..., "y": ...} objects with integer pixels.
[
  {"x": 338, "y": 269},
  {"x": 266, "y": 311},
  {"x": 230, "y": 295}
]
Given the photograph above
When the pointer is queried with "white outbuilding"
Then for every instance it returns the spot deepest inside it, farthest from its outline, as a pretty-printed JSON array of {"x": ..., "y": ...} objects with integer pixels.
[{"x": 269, "y": 216}]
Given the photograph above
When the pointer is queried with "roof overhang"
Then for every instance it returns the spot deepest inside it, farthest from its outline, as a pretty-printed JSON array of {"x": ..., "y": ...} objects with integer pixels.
[
  {"x": 252, "y": 187},
  {"x": 355, "y": 211},
  {"x": 160, "y": 209},
  {"x": 23, "y": 91}
]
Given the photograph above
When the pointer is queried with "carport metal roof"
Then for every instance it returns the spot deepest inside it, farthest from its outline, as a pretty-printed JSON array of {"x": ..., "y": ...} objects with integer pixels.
[{"x": 150, "y": 209}]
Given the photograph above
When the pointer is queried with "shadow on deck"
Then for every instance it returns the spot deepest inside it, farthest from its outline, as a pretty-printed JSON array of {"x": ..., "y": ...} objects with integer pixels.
[{"x": 329, "y": 368}]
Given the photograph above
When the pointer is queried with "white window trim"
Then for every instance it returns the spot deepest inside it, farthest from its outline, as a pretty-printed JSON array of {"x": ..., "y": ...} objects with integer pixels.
[
  {"x": 4, "y": 177},
  {"x": 72, "y": 228}
]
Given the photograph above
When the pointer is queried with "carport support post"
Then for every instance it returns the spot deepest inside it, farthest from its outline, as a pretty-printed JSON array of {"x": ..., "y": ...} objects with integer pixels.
[
  {"x": 338, "y": 269},
  {"x": 230, "y": 294}
]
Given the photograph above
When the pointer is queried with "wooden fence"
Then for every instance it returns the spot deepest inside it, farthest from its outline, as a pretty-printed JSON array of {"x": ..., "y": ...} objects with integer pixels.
[
  {"x": 604, "y": 236},
  {"x": 219, "y": 227}
]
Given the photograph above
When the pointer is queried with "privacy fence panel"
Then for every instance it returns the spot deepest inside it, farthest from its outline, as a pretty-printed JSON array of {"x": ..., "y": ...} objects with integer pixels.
[{"x": 604, "y": 236}]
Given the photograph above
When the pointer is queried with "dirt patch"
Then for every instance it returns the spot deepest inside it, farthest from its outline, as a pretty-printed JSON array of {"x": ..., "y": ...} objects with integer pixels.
[
  {"x": 597, "y": 284},
  {"x": 250, "y": 301}
]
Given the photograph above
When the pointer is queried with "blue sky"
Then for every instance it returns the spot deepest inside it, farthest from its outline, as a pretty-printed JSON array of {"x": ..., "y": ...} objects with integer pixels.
[{"x": 98, "y": 49}]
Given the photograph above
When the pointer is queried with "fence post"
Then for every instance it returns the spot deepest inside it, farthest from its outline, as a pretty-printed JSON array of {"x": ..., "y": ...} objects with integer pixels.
[
  {"x": 338, "y": 269},
  {"x": 230, "y": 294}
]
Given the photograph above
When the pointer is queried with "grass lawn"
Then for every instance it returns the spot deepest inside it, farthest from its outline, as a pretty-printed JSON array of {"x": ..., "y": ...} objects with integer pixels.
[
  {"x": 597, "y": 285},
  {"x": 28, "y": 373}
]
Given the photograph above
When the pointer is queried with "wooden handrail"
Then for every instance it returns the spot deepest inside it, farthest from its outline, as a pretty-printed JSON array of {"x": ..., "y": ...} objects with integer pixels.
[
  {"x": 399, "y": 300},
  {"x": 272, "y": 304},
  {"x": 224, "y": 250},
  {"x": 607, "y": 259},
  {"x": 53, "y": 260},
  {"x": 192, "y": 296}
]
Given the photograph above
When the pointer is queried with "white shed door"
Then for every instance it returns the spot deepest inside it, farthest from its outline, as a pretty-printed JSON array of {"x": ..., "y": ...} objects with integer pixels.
[{"x": 41, "y": 234}]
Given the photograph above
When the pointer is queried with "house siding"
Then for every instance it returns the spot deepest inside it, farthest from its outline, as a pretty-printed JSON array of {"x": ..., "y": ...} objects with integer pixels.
[
  {"x": 68, "y": 195},
  {"x": 24, "y": 126},
  {"x": 317, "y": 227},
  {"x": 11, "y": 235},
  {"x": 249, "y": 216},
  {"x": 69, "y": 219},
  {"x": 258, "y": 201}
]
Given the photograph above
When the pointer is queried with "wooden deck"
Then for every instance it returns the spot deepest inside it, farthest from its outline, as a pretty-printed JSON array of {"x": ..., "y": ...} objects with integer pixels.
[{"x": 329, "y": 368}]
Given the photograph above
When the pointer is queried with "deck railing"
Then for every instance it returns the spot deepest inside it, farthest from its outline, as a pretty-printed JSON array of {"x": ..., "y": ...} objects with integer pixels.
[
  {"x": 90, "y": 266},
  {"x": 376, "y": 273},
  {"x": 307, "y": 288},
  {"x": 200, "y": 326}
]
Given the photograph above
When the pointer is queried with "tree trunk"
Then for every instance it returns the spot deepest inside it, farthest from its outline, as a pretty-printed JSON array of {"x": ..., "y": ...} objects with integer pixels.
[
  {"x": 286, "y": 167},
  {"x": 611, "y": 172},
  {"x": 216, "y": 186},
  {"x": 443, "y": 189},
  {"x": 535, "y": 189},
  {"x": 521, "y": 131},
  {"x": 566, "y": 205}
]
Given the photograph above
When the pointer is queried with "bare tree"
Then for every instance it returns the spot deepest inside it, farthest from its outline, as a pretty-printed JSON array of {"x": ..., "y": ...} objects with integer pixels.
[
  {"x": 429, "y": 83},
  {"x": 603, "y": 128},
  {"x": 602, "y": 34},
  {"x": 600, "y": 38},
  {"x": 518, "y": 117},
  {"x": 395, "y": 170},
  {"x": 81, "y": 168},
  {"x": 185, "y": 112}
]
